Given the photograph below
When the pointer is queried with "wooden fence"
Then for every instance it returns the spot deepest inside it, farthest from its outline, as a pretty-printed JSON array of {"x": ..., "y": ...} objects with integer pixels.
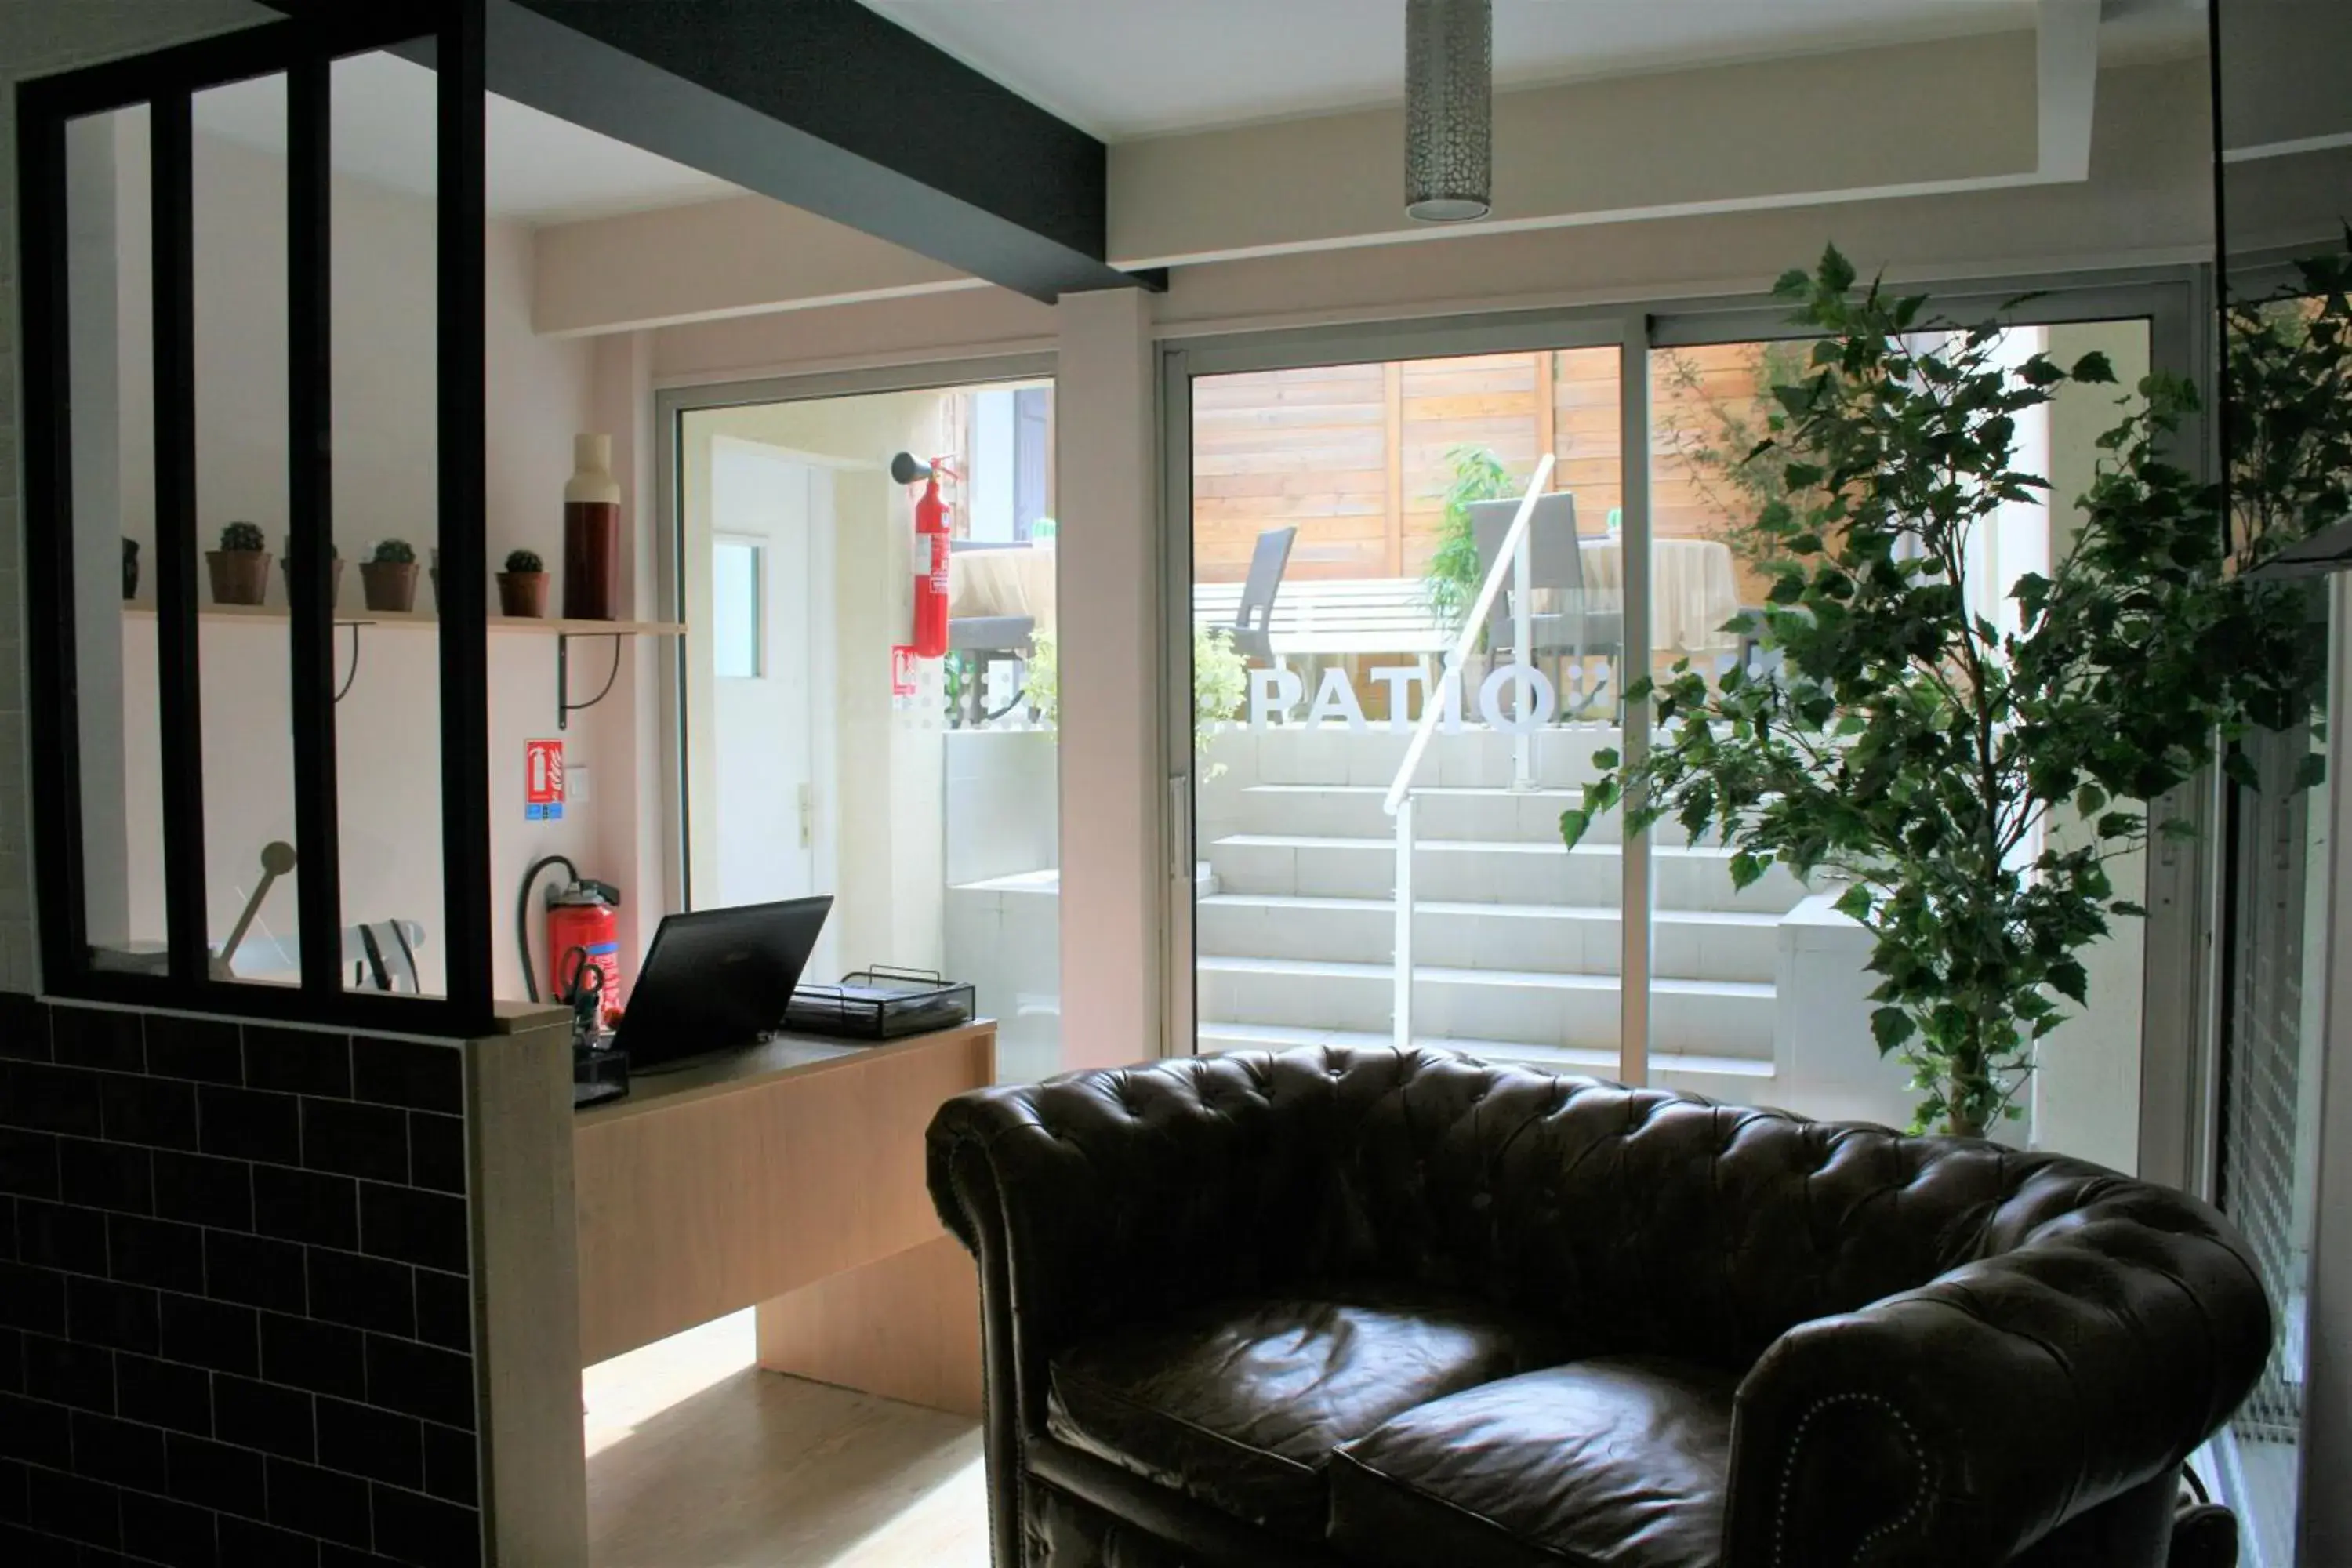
[{"x": 1356, "y": 454}]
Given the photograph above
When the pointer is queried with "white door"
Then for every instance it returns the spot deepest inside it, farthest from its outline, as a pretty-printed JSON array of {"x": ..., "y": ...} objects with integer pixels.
[{"x": 764, "y": 509}]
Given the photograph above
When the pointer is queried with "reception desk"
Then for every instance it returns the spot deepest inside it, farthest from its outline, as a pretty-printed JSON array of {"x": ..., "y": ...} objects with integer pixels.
[{"x": 787, "y": 1178}]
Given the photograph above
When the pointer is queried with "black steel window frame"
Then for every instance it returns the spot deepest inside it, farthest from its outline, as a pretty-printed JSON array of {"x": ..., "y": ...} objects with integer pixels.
[{"x": 447, "y": 35}]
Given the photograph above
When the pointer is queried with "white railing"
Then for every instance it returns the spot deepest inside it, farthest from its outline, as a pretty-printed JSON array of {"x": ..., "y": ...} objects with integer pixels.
[{"x": 1397, "y": 801}]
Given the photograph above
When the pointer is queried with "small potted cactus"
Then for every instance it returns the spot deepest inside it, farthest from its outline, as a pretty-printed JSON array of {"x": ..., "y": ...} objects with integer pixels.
[
  {"x": 240, "y": 567},
  {"x": 389, "y": 576},
  {"x": 522, "y": 586},
  {"x": 334, "y": 574}
]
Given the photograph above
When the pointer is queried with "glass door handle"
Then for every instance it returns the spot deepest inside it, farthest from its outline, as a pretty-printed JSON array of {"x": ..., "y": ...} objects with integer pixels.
[{"x": 1180, "y": 826}]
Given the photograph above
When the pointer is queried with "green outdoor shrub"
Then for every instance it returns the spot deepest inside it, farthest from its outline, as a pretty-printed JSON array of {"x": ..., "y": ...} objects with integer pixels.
[{"x": 1451, "y": 580}]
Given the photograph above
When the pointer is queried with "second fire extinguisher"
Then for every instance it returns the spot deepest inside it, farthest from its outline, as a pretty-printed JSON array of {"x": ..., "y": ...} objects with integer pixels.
[{"x": 931, "y": 552}]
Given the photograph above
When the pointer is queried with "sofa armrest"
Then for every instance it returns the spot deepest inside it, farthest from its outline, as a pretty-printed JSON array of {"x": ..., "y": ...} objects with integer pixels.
[
  {"x": 1959, "y": 1422},
  {"x": 1114, "y": 1196}
]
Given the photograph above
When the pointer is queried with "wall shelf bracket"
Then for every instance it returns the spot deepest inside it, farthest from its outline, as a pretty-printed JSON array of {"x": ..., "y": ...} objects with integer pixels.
[{"x": 564, "y": 706}]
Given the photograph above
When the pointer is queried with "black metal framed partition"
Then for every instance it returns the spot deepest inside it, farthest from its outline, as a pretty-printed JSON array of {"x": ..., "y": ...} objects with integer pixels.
[{"x": 447, "y": 35}]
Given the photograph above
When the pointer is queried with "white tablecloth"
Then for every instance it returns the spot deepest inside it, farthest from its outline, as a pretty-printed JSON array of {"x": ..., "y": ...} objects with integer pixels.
[
  {"x": 1002, "y": 583},
  {"x": 1693, "y": 590}
]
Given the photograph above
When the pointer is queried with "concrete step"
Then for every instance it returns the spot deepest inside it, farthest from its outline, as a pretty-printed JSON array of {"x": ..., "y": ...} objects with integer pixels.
[
  {"x": 1440, "y": 812},
  {"x": 1685, "y": 877},
  {"x": 1532, "y": 1008},
  {"x": 1685, "y": 945},
  {"x": 1741, "y": 1080}
]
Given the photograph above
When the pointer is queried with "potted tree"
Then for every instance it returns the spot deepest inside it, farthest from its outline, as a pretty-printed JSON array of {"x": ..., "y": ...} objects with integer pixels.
[
  {"x": 240, "y": 567},
  {"x": 522, "y": 586},
  {"x": 389, "y": 576},
  {"x": 1913, "y": 751},
  {"x": 334, "y": 573}
]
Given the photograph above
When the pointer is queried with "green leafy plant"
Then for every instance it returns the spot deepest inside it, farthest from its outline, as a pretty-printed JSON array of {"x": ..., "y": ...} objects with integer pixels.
[
  {"x": 1715, "y": 436},
  {"x": 1220, "y": 681},
  {"x": 1451, "y": 581},
  {"x": 1912, "y": 750},
  {"x": 393, "y": 552},
  {"x": 1041, "y": 678},
  {"x": 522, "y": 563},
  {"x": 244, "y": 538}
]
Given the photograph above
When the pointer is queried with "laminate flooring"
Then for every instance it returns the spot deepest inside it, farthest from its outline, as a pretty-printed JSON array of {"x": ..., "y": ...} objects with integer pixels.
[{"x": 698, "y": 1459}]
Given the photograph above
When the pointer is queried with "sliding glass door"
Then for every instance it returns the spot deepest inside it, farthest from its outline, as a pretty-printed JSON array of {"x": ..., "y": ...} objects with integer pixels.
[
  {"x": 1382, "y": 729},
  {"x": 1382, "y": 704}
]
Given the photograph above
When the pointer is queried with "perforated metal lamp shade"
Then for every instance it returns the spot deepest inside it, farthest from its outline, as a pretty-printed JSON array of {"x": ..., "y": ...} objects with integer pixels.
[{"x": 1449, "y": 110}]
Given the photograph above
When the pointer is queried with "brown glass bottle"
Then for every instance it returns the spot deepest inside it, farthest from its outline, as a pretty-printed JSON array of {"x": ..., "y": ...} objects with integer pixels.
[{"x": 592, "y": 533}]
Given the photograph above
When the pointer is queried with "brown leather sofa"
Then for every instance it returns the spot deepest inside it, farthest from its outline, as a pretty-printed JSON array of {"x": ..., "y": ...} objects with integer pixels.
[{"x": 1366, "y": 1307}]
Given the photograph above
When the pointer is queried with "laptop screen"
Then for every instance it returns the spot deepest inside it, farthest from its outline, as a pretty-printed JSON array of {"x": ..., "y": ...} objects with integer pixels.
[{"x": 717, "y": 979}]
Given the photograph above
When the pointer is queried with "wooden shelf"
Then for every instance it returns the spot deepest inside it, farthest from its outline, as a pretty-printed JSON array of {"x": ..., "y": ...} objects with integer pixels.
[{"x": 541, "y": 626}]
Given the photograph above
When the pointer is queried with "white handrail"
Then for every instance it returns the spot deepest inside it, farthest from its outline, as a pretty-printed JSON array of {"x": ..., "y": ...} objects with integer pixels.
[
  {"x": 1468, "y": 640},
  {"x": 1397, "y": 803}
]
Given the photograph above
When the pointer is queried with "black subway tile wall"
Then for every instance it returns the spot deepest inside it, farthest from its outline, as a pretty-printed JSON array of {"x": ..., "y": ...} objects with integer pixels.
[{"x": 236, "y": 1295}]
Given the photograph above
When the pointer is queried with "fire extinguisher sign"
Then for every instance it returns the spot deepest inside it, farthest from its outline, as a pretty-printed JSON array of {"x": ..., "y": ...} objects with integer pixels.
[{"x": 542, "y": 781}]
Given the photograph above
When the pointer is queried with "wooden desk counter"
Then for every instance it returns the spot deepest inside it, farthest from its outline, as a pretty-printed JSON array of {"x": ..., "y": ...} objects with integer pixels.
[{"x": 789, "y": 1177}]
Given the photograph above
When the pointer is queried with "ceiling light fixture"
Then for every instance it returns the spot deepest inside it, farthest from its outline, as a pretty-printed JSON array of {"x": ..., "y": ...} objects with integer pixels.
[{"x": 1449, "y": 110}]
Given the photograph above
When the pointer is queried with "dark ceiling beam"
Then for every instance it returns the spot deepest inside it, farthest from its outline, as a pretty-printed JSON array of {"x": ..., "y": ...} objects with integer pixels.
[{"x": 833, "y": 109}]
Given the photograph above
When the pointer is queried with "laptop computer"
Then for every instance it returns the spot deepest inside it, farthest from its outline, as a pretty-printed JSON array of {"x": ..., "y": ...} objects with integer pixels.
[{"x": 717, "y": 979}]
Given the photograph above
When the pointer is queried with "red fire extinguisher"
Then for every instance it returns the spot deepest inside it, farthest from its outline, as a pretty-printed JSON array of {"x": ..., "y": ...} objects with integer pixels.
[
  {"x": 931, "y": 552},
  {"x": 584, "y": 934}
]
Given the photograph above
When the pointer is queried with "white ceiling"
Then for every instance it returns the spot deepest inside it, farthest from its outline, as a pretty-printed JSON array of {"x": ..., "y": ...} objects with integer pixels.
[
  {"x": 539, "y": 170},
  {"x": 1124, "y": 68}
]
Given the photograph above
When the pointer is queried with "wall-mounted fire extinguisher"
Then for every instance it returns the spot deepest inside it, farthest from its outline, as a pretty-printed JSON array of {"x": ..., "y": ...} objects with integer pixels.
[
  {"x": 583, "y": 936},
  {"x": 931, "y": 552}
]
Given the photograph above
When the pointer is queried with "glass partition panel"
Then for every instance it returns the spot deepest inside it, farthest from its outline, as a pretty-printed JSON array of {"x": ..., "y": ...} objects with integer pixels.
[
  {"x": 111, "y": 470},
  {"x": 829, "y": 748},
  {"x": 1346, "y": 521},
  {"x": 384, "y": 386},
  {"x": 240, "y": 182}
]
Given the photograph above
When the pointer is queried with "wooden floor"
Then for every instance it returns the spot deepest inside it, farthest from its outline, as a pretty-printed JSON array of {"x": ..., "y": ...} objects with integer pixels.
[{"x": 698, "y": 1459}]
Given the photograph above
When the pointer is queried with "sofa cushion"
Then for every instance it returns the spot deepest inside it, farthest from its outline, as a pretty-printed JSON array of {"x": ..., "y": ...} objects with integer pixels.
[
  {"x": 1619, "y": 1462},
  {"x": 1240, "y": 1403}
]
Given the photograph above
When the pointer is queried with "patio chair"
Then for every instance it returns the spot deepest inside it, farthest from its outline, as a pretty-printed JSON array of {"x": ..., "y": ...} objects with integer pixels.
[
  {"x": 1568, "y": 624},
  {"x": 1253, "y": 620}
]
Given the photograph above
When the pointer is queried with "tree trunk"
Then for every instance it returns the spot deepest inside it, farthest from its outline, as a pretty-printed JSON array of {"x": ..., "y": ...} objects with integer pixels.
[{"x": 1958, "y": 1119}]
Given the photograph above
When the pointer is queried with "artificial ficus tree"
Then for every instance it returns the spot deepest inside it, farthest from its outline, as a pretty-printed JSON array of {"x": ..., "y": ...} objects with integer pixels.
[{"x": 1909, "y": 748}]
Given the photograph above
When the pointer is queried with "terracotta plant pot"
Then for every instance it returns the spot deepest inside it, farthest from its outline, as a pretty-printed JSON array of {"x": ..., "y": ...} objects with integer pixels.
[
  {"x": 522, "y": 595},
  {"x": 335, "y": 582},
  {"x": 390, "y": 585},
  {"x": 239, "y": 576}
]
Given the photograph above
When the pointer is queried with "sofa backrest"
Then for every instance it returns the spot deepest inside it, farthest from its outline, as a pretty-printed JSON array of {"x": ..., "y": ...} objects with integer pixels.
[{"x": 1640, "y": 1220}]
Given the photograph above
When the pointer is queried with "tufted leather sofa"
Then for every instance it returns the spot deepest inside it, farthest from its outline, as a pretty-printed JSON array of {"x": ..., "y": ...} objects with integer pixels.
[{"x": 1331, "y": 1306}]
